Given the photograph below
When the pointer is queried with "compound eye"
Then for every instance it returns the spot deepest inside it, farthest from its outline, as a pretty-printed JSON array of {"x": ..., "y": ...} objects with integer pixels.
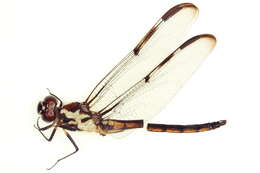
[{"x": 39, "y": 108}]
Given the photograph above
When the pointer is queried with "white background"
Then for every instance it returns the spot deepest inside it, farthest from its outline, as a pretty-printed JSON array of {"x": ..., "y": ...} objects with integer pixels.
[{"x": 68, "y": 46}]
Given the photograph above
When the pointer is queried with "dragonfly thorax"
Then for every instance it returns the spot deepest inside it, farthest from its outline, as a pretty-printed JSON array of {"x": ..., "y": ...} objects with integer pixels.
[{"x": 84, "y": 121}]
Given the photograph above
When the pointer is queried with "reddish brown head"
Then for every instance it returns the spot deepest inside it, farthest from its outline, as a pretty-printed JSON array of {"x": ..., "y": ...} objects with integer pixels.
[{"x": 48, "y": 108}]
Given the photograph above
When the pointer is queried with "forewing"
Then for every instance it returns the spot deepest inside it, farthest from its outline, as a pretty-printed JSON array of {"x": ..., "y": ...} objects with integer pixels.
[
  {"x": 158, "y": 43},
  {"x": 148, "y": 96}
]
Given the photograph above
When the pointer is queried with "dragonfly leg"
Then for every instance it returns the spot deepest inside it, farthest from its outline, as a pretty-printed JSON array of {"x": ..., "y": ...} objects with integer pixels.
[
  {"x": 185, "y": 128},
  {"x": 74, "y": 144},
  {"x": 45, "y": 128},
  {"x": 51, "y": 136},
  {"x": 55, "y": 97}
]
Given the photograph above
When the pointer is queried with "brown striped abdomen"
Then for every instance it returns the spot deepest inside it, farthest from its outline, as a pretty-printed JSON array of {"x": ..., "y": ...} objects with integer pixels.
[
  {"x": 113, "y": 126},
  {"x": 185, "y": 128}
]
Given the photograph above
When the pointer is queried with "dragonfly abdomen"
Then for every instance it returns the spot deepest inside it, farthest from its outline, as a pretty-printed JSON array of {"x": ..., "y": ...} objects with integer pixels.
[
  {"x": 185, "y": 128},
  {"x": 113, "y": 126}
]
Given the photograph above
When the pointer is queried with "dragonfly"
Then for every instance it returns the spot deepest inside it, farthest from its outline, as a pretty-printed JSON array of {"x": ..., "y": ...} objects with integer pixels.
[{"x": 139, "y": 86}]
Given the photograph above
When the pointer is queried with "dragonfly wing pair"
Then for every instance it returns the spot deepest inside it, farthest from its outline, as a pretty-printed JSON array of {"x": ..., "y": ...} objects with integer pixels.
[
  {"x": 152, "y": 73},
  {"x": 164, "y": 37}
]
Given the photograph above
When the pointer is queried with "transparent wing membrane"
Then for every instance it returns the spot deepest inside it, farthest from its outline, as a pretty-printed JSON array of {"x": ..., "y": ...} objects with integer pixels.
[
  {"x": 143, "y": 82},
  {"x": 164, "y": 37},
  {"x": 148, "y": 96}
]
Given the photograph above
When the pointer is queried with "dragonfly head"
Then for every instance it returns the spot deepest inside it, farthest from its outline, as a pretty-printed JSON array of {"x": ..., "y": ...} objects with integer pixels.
[{"x": 48, "y": 108}]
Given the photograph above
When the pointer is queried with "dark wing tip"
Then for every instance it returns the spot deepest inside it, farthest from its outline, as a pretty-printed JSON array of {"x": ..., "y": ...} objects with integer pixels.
[
  {"x": 177, "y": 8},
  {"x": 209, "y": 36},
  {"x": 195, "y": 38}
]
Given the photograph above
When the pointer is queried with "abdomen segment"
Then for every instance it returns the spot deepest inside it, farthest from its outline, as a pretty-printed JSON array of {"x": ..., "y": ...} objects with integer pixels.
[
  {"x": 113, "y": 126},
  {"x": 185, "y": 128}
]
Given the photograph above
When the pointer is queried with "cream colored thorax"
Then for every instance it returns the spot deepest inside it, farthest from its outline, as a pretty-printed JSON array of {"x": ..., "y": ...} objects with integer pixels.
[{"x": 88, "y": 126}]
